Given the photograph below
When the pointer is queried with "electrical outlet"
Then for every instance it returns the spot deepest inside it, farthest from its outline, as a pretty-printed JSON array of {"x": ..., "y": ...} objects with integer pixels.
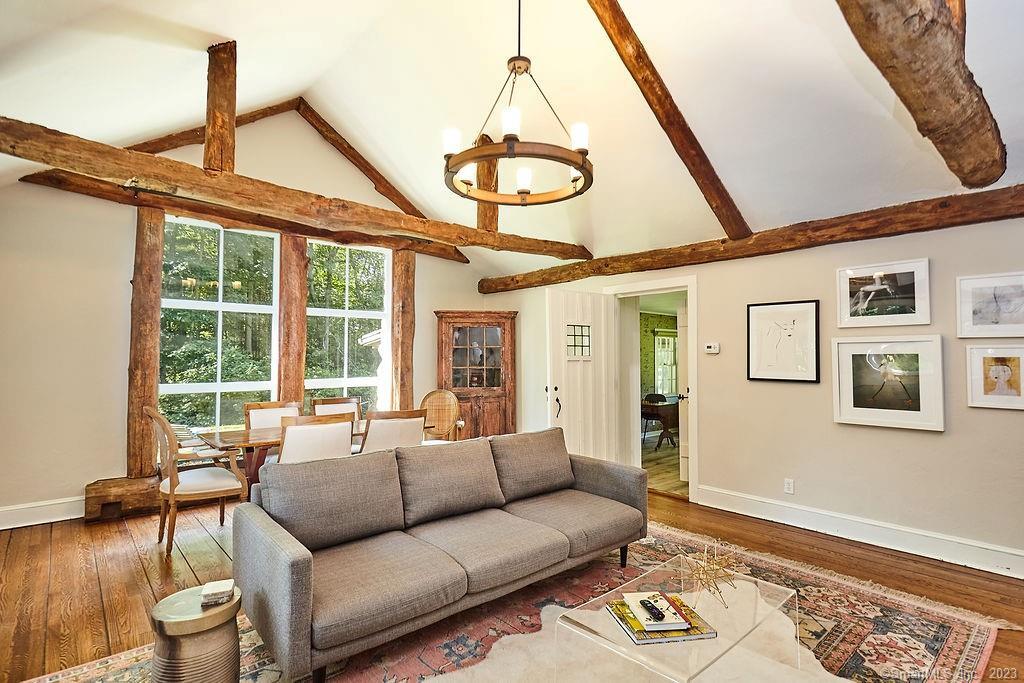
[{"x": 787, "y": 486}]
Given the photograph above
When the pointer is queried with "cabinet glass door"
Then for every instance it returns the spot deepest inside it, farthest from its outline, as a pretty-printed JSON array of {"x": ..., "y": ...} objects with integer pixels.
[{"x": 476, "y": 357}]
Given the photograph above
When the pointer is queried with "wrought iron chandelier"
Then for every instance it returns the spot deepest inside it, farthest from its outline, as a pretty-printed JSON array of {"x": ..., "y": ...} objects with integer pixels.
[{"x": 460, "y": 166}]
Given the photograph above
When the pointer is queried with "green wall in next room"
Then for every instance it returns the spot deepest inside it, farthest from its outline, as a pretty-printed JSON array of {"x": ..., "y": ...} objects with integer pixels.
[{"x": 648, "y": 323}]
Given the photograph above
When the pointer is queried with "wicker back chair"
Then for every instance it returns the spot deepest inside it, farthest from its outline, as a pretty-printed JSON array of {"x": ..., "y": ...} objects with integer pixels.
[{"x": 443, "y": 415}]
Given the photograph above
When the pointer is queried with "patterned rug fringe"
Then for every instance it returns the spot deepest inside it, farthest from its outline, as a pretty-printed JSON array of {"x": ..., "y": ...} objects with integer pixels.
[{"x": 864, "y": 584}]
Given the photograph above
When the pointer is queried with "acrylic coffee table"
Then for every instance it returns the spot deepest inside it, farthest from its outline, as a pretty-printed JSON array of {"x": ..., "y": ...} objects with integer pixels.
[{"x": 754, "y": 632}]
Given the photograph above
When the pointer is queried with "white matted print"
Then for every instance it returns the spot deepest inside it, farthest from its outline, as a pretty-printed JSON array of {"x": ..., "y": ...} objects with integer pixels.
[
  {"x": 782, "y": 341},
  {"x": 994, "y": 377},
  {"x": 883, "y": 294},
  {"x": 990, "y": 305},
  {"x": 888, "y": 381}
]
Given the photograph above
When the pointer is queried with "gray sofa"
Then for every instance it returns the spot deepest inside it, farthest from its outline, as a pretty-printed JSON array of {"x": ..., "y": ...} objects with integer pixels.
[{"x": 337, "y": 556}]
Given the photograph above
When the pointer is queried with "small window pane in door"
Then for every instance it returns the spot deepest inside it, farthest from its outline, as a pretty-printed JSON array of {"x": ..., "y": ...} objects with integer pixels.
[
  {"x": 494, "y": 377},
  {"x": 476, "y": 378},
  {"x": 492, "y": 358},
  {"x": 492, "y": 335},
  {"x": 460, "y": 377},
  {"x": 577, "y": 342},
  {"x": 476, "y": 356},
  {"x": 460, "y": 337},
  {"x": 476, "y": 336},
  {"x": 460, "y": 358}
]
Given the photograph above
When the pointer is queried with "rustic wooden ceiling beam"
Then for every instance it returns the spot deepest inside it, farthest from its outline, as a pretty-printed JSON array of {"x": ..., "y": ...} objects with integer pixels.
[
  {"x": 234, "y": 218},
  {"x": 487, "y": 179},
  {"x": 219, "y": 141},
  {"x": 919, "y": 216},
  {"x": 159, "y": 175},
  {"x": 381, "y": 184},
  {"x": 654, "y": 90},
  {"x": 918, "y": 46}
]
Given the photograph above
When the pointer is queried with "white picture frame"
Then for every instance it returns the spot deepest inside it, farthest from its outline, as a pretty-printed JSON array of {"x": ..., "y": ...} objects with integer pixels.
[
  {"x": 863, "y": 291},
  {"x": 977, "y": 317},
  {"x": 891, "y": 381},
  {"x": 995, "y": 376}
]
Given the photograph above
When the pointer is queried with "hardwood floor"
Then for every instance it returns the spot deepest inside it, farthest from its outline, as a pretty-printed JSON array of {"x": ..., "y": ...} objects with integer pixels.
[
  {"x": 662, "y": 467},
  {"x": 71, "y": 592}
]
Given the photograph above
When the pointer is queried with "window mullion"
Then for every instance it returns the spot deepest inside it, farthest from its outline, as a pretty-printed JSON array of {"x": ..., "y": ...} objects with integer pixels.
[{"x": 220, "y": 323}]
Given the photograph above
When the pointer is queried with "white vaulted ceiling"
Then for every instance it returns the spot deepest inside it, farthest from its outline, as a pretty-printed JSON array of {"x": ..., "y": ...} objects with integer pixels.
[{"x": 796, "y": 120}]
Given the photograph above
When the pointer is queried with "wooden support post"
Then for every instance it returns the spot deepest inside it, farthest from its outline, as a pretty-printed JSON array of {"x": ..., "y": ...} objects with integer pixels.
[
  {"x": 403, "y": 327},
  {"x": 292, "y": 297},
  {"x": 219, "y": 146},
  {"x": 487, "y": 179},
  {"x": 144, "y": 349}
]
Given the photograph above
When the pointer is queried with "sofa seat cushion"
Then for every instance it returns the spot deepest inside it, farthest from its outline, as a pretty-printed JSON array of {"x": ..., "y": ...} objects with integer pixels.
[
  {"x": 589, "y": 522},
  {"x": 447, "y": 479},
  {"x": 367, "y": 585},
  {"x": 531, "y": 463},
  {"x": 494, "y": 547}
]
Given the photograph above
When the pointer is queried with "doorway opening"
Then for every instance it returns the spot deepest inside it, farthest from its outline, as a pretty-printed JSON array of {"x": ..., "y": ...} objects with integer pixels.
[{"x": 656, "y": 362}]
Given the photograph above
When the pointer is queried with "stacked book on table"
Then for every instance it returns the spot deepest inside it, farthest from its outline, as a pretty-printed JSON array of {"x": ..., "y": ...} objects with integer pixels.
[{"x": 678, "y": 621}]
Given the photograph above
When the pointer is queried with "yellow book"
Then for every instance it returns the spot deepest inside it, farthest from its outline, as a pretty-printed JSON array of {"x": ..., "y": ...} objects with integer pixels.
[{"x": 699, "y": 630}]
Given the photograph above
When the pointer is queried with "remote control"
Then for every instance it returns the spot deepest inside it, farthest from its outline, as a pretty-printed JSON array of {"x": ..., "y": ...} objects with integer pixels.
[{"x": 655, "y": 613}]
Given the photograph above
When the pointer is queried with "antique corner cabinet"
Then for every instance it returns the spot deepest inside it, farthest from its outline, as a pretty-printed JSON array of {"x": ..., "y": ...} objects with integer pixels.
[{"x": 476, "y": 361}]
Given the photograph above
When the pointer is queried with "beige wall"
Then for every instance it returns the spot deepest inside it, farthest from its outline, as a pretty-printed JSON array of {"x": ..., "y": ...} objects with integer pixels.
[
  {"x": 966, "y": 482},
  {"x": 445, "y": 285}
]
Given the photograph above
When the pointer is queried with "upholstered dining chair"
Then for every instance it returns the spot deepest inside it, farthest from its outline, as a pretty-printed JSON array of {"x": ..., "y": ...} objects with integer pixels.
[
  {"x": 315, "y": 437},
  {"x": 443, "y": 415},
  {"x": 648, "y": 414},
  {"x": 266, "y": 414},
  {"x": 202, "y": 483},
  {"x": 393, "y": 428}
]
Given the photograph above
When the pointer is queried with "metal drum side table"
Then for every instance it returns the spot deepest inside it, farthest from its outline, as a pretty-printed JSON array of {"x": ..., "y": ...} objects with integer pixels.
[{"x": 195, "y": 643}]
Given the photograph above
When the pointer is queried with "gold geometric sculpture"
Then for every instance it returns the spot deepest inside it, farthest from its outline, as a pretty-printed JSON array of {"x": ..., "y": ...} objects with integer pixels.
[{"x": 708, "y": 569}]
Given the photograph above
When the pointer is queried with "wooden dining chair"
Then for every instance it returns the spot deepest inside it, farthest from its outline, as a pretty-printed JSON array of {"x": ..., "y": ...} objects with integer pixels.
[
  {"x": 648, "y": 414},
  {"x": 443, "y": 416},
  {"x": 265, "y": 414},
  {"x": 393, "y": 428},
  {"x": 315, "y": 437},
  {"x": 336, "y": 405},
  {"x": 202, "y": 483}
]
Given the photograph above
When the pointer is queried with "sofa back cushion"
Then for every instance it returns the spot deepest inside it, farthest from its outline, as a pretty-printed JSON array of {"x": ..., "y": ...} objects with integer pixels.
[
  {"x": 532, "y": 463},
  {"x": 447, "y": 479},
  {"x": 326, "y": 502}
]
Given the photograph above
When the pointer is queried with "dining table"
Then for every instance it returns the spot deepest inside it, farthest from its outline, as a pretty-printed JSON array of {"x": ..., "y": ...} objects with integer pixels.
[
  {"x": 255, "y": 444},
  {"x": 668, "y": 415}
]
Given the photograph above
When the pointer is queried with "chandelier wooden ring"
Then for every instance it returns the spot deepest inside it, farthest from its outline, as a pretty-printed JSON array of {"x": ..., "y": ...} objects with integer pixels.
[{"x": 513, "y": 149}]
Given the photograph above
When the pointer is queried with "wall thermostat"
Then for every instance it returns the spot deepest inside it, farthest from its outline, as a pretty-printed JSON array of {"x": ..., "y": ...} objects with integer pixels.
[{"x": 712, "y": 348}]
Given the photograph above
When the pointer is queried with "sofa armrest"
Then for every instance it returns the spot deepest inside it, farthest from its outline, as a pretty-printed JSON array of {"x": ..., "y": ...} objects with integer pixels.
[
  {"x": 275, "y": 572},
  {"x": 623, "y": 483}
]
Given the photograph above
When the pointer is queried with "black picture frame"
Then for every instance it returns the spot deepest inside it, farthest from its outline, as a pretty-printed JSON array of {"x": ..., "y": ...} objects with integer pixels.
[{"x": 816, "y": 304}]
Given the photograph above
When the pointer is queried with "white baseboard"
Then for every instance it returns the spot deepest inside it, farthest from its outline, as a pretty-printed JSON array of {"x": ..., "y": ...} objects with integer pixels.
[
  {"x": 41, "y": 512},
  {"x": 964, "y": 551}
]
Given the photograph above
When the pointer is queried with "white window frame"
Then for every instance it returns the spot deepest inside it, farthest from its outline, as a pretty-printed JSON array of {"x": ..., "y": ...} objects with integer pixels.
[
  {"x": 674, "y": 379},
  {"x": 381, "y": 381},
  {"x": 222, "y": 307}
]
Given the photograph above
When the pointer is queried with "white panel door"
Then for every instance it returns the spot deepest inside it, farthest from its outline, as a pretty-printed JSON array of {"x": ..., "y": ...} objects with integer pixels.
[{"x": 582, "y": 384}]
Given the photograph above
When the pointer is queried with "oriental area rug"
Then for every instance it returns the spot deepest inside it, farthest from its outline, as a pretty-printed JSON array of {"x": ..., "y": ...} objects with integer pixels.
[{"x": 854, "y": 629}]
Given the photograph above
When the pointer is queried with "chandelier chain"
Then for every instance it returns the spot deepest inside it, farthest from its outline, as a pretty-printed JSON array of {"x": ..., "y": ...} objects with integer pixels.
[
  {"x": 496, "y": 100},
  {"x": 548, "y": 102}
]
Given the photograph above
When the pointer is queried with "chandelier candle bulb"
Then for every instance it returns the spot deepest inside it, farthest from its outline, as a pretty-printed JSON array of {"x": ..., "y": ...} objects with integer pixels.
[
  {"x": 524, "y": 179},
  {"x": 574, "y": 174},
  {"x": 451, "y": 141},
  {"x": 511, "y": 122},
  {"x": 579, "y": 135}
]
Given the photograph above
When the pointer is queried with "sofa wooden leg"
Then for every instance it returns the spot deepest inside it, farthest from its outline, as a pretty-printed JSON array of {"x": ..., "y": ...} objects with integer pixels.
[
  {"x": 320, "y": 675},
  {"x": 623, "y": 552}
]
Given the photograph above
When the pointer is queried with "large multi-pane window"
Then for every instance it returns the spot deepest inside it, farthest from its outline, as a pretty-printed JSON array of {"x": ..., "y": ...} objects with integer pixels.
[
  {"x": 218, "y": 322},
  {"x": 345, "y": 334}
]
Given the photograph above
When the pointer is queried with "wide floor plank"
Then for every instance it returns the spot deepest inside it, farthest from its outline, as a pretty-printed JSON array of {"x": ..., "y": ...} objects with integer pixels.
[
  {"x": 166, "y": 575},
  {"x": 203, "y": 554},
  {"x": 23, "y": 595},
  {"x": 127, "y": 595},
  {"x": 75, "y": 628}
]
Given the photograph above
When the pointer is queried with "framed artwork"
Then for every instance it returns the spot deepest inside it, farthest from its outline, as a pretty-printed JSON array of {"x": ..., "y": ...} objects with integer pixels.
[
  {"x": 883, "y": 294},
  {"x": 994, "y": 377},
  {"x": 990, "y": 305},
  {"x": 888, "y": 381},
  {"x": 782, "y": 341}
]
